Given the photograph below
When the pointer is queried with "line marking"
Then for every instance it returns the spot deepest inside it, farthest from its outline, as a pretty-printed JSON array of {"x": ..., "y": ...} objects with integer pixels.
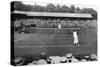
[
  {"x": 57, "y": 28},
  {"x": 54, "y": 34},
  {"x": 43, "y": 46},
  {"x": 50, "y": 46},
  {"x": 21, "y": 38},
  {"x": 63, "y": 38}
]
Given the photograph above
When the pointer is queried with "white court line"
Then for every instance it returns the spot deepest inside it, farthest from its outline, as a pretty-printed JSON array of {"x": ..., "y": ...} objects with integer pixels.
[
  {"x": 57, "y": 28},
  {"x": 63, "y": 38},
  {"x": 58, "y": 38},
  {"x": 70, "y": 45},
  {"x": 22, "y": 38},
  {"x": 38, "y": 31},
  {"x": 26, "y": 37},
  {"x": 42, "y": 46},
  {"x": 54, "y": 34},
  {"x": 19, "y": 39}
]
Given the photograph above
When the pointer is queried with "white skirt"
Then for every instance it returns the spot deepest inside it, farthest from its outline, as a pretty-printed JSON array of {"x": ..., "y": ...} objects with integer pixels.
[{"x": 75, "y": 40}]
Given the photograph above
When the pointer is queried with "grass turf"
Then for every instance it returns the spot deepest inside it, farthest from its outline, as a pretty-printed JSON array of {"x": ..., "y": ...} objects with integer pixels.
[{"x": 54, "y": 42}]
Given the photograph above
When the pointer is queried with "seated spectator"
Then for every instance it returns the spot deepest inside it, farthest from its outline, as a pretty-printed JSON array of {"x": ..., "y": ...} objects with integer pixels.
[
  {"x": 83, "y": 60},
  {"x": 93, "y": 57},
  {"x": 86, "y": 57},
  {"x": 41, "y": 61},
  {"x": 74, "y": 59},
  {"x": 19, "y": 61},
  {"x": 43, "y": 55},
  {"x": 63, "y": 59},
  {"x": 71, "y": 58},
  {"x": 55, "y": 59},
  {"x": 34, "y": 62},
  {"x": 30, "y": 64}
]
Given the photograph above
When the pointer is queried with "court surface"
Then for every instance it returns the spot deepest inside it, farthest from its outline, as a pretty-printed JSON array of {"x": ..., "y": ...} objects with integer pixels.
[{"x": 54, "y": 42}]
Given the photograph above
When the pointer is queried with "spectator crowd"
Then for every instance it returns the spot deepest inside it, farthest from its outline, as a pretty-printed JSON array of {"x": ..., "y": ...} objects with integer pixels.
[
  {"x": 43, "y": 59},
  {"x": 23, "y": 24}
]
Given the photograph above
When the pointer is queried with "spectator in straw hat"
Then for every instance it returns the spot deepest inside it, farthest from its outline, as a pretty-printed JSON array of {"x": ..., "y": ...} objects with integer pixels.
[
  {"x": 83, "y": 60},
  {"x": 63, "y": 59},
  {"x": 74, "y": 59},
  {"x": 71, "y": 58},
  {"x": 34, "y": 62},
  {"x": 55, "y": 59},
  {"x": 19, "y": 61},
  {"x": 43, "y": 55},
  {"x": 86, "y": 57},
  {"x": 41, "y": 61},
  {"x": 93, "y": 57},
  {"x": 30, "y": 64},
  {"x": 50, "y": 59}
]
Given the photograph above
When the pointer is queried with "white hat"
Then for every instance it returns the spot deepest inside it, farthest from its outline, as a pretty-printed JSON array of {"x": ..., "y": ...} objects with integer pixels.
[
  {"x": 93, "y": 56},
  {"x": 69, "y": 55},
  {"x": 51, "y": 57},
  {"x": 19, "y": 61},
  {"x": 29, "y": 64},
  {"x": 41, "y": 61},
  {"x": 63, "y": 58},
  {"x": 86, "y": 56},
  {"x": 83, "y": 60},
  {"x": 43, "y": 53},
  {"x": 34, "y": 62}
]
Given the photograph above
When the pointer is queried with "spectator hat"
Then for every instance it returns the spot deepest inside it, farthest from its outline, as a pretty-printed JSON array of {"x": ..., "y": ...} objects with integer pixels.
[
  {"x": 69, "y": 55},
  {"x": 63, "y": 58},
  {"x": 86, "y": 56},
  {"x": 43, "y": 53},
  {"x": 19, "y": 61},
  {"x": 83, "y": 60},
  {"x": 93, "y": 56}
]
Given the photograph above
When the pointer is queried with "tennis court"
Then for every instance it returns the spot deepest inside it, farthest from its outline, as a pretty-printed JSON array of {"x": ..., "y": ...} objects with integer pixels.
[{"x": 54, "y": 41}]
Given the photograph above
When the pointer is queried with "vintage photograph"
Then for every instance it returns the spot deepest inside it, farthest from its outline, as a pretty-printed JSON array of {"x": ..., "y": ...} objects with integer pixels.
[{"x": 48, "y": 33}]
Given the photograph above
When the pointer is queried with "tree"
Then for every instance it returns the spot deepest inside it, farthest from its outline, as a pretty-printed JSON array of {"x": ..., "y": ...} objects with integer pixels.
[
  {"x": 37, "y": 8},
  {"x": 78, "y": 10},
  {"x": 90, "y": 11},
  {"x": 50, "y": 7},
  {"x": 66, "y": 9},
  {"x": 73, "y": 8},
  {"x": 58, "y": 8},
  {"x": 18, "y": 5}
]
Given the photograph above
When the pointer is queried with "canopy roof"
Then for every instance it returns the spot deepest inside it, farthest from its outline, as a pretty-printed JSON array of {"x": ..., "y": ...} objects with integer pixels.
[{"x": 53, "y": 14}]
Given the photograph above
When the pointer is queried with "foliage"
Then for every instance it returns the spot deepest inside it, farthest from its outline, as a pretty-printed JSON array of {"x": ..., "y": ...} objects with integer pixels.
[{"x": 18, "y": 5}]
